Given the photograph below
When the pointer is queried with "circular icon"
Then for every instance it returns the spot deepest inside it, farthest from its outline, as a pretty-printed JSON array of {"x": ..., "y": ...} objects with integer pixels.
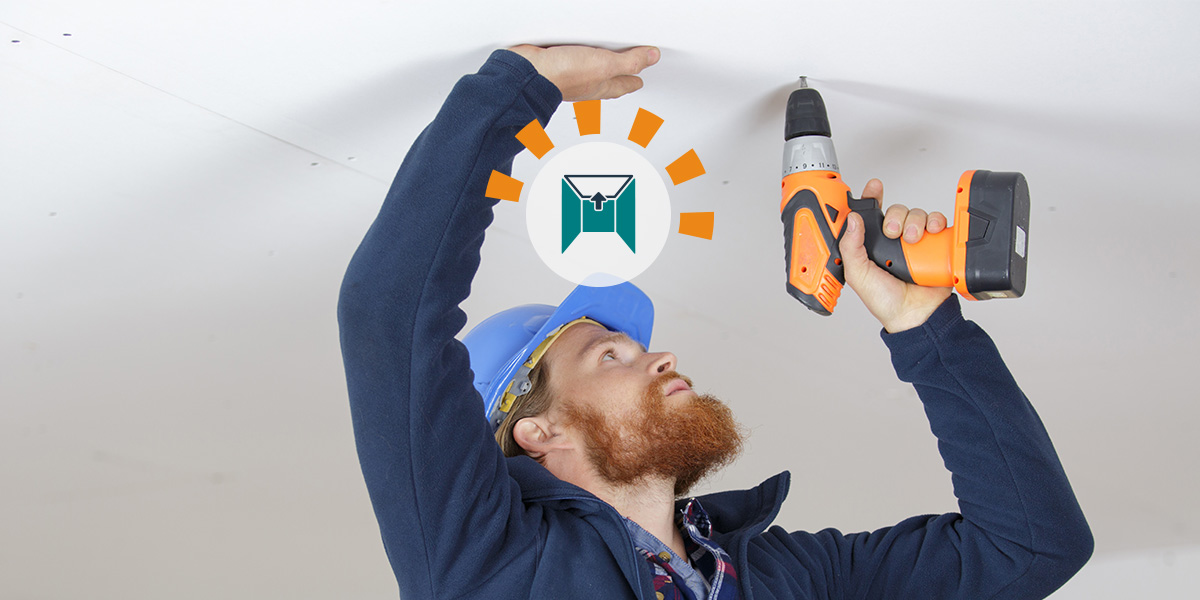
[{"x": 598, "y": 214}]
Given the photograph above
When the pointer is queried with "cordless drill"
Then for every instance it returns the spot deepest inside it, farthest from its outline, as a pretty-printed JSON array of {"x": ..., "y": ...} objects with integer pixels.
[{"x": 982, "y": 256}]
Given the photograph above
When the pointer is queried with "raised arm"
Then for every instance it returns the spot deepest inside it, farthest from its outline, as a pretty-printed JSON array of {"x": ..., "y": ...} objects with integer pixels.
[
  {"x": 1020, "y": 532},
  {"x": 424, "y": 448},
  {"x": 436, "y": 478}
]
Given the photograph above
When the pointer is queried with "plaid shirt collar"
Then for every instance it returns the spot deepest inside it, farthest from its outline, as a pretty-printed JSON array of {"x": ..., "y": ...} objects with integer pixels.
[{"x": 710, "y": 574}]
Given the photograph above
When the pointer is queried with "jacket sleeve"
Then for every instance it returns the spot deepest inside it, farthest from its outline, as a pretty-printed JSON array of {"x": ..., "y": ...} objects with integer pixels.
[
  {"x": 1021, "y": 533},
  {"x": 436, "y": 478}
]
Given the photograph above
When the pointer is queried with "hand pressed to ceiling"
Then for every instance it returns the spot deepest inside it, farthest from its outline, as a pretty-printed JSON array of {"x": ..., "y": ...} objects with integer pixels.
[{"x": 586, "y": 73}]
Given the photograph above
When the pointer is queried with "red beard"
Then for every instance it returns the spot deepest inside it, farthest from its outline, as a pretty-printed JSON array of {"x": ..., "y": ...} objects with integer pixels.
[{"x": 685, "y": 443}]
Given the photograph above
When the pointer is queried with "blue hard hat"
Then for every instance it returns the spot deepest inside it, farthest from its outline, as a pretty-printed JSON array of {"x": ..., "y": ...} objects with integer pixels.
[{"x": 501, "y": 344}]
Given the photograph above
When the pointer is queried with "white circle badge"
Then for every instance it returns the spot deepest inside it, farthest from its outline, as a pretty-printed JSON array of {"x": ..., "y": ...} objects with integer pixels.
[{"x": 598, "y": 214}]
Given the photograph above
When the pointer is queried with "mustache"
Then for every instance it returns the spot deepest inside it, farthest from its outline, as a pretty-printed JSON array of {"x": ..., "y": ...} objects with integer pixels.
[{"x": 666, "y": 377}]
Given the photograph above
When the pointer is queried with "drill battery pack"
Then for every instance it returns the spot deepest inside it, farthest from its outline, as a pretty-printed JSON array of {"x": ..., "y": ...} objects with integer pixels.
[{"x": 997, "y": 244}]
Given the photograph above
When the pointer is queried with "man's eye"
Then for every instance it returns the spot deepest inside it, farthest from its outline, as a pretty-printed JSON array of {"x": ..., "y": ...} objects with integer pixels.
[{"x": 609, "y": 355}]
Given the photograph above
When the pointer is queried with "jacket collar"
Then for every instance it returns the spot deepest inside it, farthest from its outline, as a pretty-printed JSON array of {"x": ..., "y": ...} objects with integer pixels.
[
  {"x": 732, "y": 512},
  {"x": 737, "y": 515}
]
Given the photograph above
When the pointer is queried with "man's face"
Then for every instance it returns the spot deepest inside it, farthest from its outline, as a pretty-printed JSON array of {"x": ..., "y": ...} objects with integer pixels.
[{"x": 636, "y": 415}]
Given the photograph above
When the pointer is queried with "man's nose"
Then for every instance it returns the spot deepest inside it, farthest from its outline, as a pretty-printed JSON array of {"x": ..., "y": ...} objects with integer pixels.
[{"x": 663, "y": 362}]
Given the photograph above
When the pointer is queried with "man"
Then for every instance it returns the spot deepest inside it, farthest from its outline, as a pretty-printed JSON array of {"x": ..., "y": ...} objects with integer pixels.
[{"x": 603, "y": 436}]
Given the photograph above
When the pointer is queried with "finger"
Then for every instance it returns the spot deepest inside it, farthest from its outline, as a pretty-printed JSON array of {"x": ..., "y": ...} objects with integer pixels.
[
  {"x": 634, "y": 60},
  {"x": 874, "y": 189},
  {"x": 525, "y": 49},
  {"x": 914, "y": 225},
  {"x": 619, "y": 86},
  {"x": 937, "y": 222},
  {"x": 893, "y": 220},
  {"x": 854, "y": 255}
]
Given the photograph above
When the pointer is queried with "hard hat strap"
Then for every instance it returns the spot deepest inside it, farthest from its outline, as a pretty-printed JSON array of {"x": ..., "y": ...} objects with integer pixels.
[{"x": 520, "y": 384}]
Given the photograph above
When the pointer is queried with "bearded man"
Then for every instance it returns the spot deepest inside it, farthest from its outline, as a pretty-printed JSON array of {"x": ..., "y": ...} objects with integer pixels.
[{"x": 573, "y": 483}]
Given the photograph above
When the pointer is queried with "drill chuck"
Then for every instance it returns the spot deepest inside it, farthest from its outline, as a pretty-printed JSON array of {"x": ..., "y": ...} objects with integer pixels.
[{"x": 805, "y": 115}]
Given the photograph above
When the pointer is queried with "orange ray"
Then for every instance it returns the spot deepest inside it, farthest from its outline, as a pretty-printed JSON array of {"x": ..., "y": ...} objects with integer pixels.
[
  {"x": 697, "y": 224},
  {"x": 535, "y": 138},
  {"x": 587, "y": 116},
  {"x": 645, "y": 125},
  {"x": 503, "y": 187},
  {"x": 685, "y": 167}
]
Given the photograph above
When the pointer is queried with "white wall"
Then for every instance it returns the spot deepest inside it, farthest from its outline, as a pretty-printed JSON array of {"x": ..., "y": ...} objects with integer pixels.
[{"x": 1161, "y": 574}]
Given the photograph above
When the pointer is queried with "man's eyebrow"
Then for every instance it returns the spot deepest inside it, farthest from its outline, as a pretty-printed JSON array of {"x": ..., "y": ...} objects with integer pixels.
[{"x": 616, "y": 336}]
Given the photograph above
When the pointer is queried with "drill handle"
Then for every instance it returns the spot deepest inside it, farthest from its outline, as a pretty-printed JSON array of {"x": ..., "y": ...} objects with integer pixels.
[
  {"x": 888, "y": 253},
  {"x": 814, "y": 213}
]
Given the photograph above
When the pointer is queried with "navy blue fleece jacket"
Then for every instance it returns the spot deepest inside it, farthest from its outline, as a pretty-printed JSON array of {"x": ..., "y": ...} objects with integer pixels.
[{"x": 459, "y": 520}]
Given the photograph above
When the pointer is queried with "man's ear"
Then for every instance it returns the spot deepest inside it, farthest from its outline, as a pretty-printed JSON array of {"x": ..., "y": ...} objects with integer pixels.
[{"x": 537, "y": 436}]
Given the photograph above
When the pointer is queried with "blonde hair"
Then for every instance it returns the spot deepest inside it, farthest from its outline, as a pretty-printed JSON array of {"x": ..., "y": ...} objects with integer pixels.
[{"x": 533, "y": 403}]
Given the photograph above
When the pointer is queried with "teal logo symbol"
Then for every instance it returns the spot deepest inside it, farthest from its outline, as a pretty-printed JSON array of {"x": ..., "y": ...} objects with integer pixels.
[
  {"x": 599, "y": 204},
  {"x": 598, "y": 213}
]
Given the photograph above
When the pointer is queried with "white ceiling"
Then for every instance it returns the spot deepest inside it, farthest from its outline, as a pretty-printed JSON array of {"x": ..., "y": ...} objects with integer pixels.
[{"x": 183, "y": 183}]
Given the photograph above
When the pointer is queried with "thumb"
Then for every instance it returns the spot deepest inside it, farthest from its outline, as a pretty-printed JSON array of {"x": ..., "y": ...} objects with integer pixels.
[
  {"x": 854, "y": 255},
  {"x": 636, "y": 59}
]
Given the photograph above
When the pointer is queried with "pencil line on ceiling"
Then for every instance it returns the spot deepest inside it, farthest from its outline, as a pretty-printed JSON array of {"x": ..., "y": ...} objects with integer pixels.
[{"x": 195, "y": 104}]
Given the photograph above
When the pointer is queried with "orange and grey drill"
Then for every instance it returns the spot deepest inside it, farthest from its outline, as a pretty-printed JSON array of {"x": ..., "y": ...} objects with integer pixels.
[{"x": 983, "y": 255}]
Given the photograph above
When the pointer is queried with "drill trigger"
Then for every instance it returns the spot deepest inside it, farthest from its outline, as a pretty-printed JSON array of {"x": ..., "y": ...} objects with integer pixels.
[{"x": 860, "y": 204}]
